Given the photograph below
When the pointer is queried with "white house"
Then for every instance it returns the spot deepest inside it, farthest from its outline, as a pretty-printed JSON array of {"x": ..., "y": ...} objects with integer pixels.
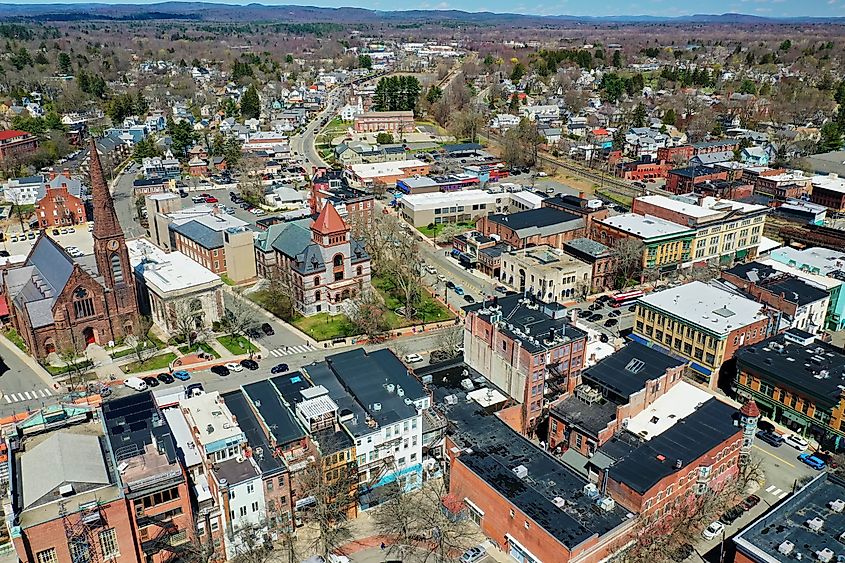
[{"x": 22, "y": 191}]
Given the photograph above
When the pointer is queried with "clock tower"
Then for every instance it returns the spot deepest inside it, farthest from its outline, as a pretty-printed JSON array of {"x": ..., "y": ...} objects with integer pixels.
[{"x": 110, "y": 253}]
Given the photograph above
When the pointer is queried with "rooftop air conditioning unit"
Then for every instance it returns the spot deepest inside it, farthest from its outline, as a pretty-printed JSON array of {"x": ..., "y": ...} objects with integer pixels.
[
  {"x": 591, "y": 490},
  {"x": 815, "y": 524},
  {"x": 786, "y": 547},
  {"x": 606, "y": 503},
  {"x": 451, "y": 399},
  {"x": 825, "y": 555},
  {"x": 520, "y": 471},
  {"x": 837, "y": 505}
]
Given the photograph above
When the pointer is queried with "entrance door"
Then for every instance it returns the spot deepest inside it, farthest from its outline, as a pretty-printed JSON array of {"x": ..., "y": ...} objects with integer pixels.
[{"x": 88, "y": 335}]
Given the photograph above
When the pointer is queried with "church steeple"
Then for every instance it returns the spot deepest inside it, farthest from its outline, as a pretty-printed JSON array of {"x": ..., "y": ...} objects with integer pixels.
[{"x": 106, "y": 224}]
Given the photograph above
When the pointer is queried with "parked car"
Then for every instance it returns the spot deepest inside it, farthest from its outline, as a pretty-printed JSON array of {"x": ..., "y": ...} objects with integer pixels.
[
  {"x": 251, "y": 365},
  {"x": 469, "y": 298},
  {"x": 731, "y": 514},
  {"x": 774, "y": 440},
  {"x": 459, "y": 290},
  {"x": 827, "y": 458},
  {"x": 211, "y": 199},
  {"x": 165, "y": 378},
  {"x": 595, "y": 317},
  {"x": 279, "y": 368},
  {"x": 750, "y": 502},
  {"x": 450, "y": 284},
  {"x": 609, "y": 323},
  {"x": 812, "y": 461},
  {"x": 56, "y": 231},
  {"x": 151, "y": 381},
  {"x": 796, "y": 442},
  {"x": 182, "y": 375},
  {"x": 135, "y": 383},
  {"x": 713, "y": 530},
  {"x": 615, "y": 313},
  {"x": 232, "y": 366},
  {"x": 473, "y": 554},
  {"x": 267, "y": 329},
  {"x": 222, "y": 371},
  {"x": 501, "y": 289},
  {"x": 413, "y": 358}
]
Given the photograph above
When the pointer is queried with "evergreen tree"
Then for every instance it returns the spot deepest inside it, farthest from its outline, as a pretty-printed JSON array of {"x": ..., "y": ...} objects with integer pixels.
[
  {"x": 64, "y": 63},
  {"x": 250, "y": 104},
  {"x": 365, "y": 61},
  {"x": 669, "y": 118},
  {"x": 617, "y": 59},
  {"x": 638, "y": 119}
]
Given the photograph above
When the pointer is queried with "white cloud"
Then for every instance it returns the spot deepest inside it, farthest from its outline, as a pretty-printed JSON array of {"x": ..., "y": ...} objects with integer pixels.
[{"x": 442, "y": 6}]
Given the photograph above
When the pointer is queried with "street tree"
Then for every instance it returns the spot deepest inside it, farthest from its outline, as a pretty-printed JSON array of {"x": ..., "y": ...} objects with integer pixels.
[
  {"x": 139, "y": 341},
  {"x": 628, "y": 260},
  {"x": 251, "y": 183},
  {"x": 186, "y": 321},
  {"x": 369, "y": 315},
  {"x": 240, "y": 316}
]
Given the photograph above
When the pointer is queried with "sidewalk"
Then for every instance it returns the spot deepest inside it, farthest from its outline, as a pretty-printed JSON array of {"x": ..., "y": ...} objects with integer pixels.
[{"x": 37, "y": 368}]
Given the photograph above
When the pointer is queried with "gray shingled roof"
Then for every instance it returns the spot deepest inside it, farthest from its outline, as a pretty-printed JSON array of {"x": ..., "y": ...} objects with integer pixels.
[{"x": 294, "y": 238}]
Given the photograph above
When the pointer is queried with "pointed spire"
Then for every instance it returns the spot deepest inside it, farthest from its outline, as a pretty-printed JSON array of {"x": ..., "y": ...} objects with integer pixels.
[{"x": 105, "y": 217}]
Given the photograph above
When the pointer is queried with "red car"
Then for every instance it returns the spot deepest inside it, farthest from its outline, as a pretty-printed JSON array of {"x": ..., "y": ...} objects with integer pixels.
[{"x": 211, "y": 199}]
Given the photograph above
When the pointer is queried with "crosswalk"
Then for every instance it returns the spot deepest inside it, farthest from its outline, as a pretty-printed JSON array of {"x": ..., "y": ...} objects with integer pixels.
[
  {"x": 27, "y": 396},
  {"x": 776, "y": 492},
  {"x": 288, "y": 350}
]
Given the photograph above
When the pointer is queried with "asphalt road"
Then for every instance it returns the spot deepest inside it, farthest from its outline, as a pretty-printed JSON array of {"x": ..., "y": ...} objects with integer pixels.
[
  {"x": 124, "y": 203},
  {"x": 20, "y": 388}
]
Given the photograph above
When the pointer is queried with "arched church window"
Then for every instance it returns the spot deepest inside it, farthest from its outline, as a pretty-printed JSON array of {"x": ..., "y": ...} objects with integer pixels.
[{"x": 116, "y": 269}]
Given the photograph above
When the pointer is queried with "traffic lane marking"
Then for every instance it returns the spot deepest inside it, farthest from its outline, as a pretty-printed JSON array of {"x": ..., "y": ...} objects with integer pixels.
[{"x": 780, "y": 459}]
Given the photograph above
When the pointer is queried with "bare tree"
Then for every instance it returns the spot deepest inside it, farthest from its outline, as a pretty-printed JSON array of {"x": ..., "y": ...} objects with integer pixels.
[
  {"x": 251, "y": 184},
  {"x": 186, "y": 321},
  {"x": 139, "y": 341},
  {"x": 368, "y": 314},
  {"x": 239, "y": 318},
  {"x": 278, "y": 293},
  {"x": 76, "y": 365},
  {"x": 447, "y": 233},
  {"x": 250, "y": 544},
  {"x": 628, "y": 258}
]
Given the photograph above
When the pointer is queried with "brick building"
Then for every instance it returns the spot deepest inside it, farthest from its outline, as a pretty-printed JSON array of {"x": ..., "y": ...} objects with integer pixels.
[
  {"x": 534, "y": 227},
  {"x": 330, "y": 186},
  {"x": 57, "y": 302},
  {"x": 829, "y": 191},
  {"x": 676, "y": 155},
  {"x": 684, "y": 180},
  {"x": 395, "y": 122},
  {"x": 221, "y": 243},
  {"x": 59, "y": 202},
  {"x": 644, "y": 169},
  {"x": 600, "y": 257},
  {"x": 667, "y": 246},
  {"x": 780, "y": 184},
  {"x": 15, "y": 144},
  {"x": 528, "y": 349},
  {"x": 590, "y": 209},
  {"x": 617, "y": 388}
]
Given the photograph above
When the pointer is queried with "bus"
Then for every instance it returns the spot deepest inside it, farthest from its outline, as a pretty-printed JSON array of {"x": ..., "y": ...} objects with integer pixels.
[{"x": 625, "y": 298}]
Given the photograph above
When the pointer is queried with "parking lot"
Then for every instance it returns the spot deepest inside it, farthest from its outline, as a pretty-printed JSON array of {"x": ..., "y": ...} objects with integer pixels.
[
  {"x": 18, "y": 243},
  {"x": 604, "y": 318}
]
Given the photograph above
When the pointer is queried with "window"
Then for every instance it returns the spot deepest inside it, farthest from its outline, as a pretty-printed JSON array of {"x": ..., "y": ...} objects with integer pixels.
[
  {"x": 47, "y": 556},
  {"x": 108, "y": 543},
  {"x": 270, "y": 485},
  {"x": 250, "y": 489},
  {"x": 255, "y": 506},
  {"x": 80, "y": 553},
  {"x": 116, "y": 268},
  {"x": 242, "y": 511}
]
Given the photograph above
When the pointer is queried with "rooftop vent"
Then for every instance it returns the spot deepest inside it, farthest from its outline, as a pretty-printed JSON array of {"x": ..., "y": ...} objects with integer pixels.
[
  {"x": 376, "y": 407},
  {"x": 825, "y": 555},
  {"x": 606, "y": 503},
  {"x": 786, "y": 547},
  {"x": 815, "y": 524},
  {"x": 559, "y": 502},
  {"x": 66, "y": 490},
  {"x": 520, "y": 471},
  {"x": 635, "y": 365},
  {"x": 591, "y": 491},
  {"x": 837, "y": 505},
  {"x": 451, "y": 399}
]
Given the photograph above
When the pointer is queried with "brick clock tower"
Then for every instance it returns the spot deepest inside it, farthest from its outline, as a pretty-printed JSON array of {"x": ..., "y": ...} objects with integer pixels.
[{"x": 110, "y": 252}]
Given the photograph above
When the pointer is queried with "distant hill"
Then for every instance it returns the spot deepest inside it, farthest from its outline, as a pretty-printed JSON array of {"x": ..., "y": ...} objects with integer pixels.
[{"x": 259, "y": 12}]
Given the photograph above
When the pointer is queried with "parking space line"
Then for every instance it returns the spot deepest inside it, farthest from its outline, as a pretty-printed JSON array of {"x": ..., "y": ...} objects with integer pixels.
[{"x": 770, "y": 488}]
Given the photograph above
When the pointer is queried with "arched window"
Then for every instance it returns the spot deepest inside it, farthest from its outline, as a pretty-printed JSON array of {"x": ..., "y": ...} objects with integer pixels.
[
  {"x": 316, "y": 280},
  {"x": 116, "y": 269},
  {"x": 359, "y": 271},
  {"x": 337, "y": 260},
  {"x": 83, "y": 303},
  {"x": 317, "y": 296}
]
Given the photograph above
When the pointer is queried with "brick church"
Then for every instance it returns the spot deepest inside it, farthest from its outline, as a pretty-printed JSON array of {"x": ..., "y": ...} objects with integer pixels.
[{"x": 59, "y": 303}]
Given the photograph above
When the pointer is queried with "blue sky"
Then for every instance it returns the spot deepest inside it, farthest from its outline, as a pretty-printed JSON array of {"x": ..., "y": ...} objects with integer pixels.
[{"x": 771, "y": 8}]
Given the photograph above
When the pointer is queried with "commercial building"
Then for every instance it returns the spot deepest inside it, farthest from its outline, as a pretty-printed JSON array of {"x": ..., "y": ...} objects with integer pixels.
[
  {"x": 396, "y": 122},
  {"x": 607, "y": 395},
  {"x": 547, "y": 273},
  {"x": 781, "y": 184},
  {"x": 529, "y": 504},
  {"x": 589, "y": 209},
  {"x": 351, "y": 153},
  {"x": 600, "y": 257},
  {"x": 724, "y": 230},
  {"x": 534, "y": 227},
  {"x": 16, "y": 144},
  {"x": 83, "y": 485},
  {"x": 685, "y": 180},
  {"x": 436, "y": 208},
  {"x": 475, "y": 250},
  {"x": 667, "y": 246},
  {"x": 806, "y": 526},
  {"x": 385, "y": 173},
  {"x": 171, "y": 286},
  {"x": 803, "y": 304},
  {"x": 381, "y": 405},
  {"x": 441, "y": 183},
  {"x": 331, "y": 186},
  {"x": 796, "y": 381},
  {"x": 701, "y": 323},
  {"x": 526, "y": 348},
  {"x": 22, "y": 191},
  {"x": 829, "y": 191}
]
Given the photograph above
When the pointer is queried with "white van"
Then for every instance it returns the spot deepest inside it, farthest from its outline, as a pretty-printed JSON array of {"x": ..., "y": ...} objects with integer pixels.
[{"x": 135, "y": 383}]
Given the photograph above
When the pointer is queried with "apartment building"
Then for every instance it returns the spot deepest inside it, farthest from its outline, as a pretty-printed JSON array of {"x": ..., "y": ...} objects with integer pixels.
[
  {"x": 396, "y": 122},
  {"x": 526, "y": 348},
  {"x": 59, "y": 202},
  {"x": 724, "y": 230},
  {"x": 16, "y": 144},
  {"x": 685, "y": 180},
  {"x": 829, "y": 191},
  {"x": 703, "y": 324},
  {"x": 796, "y": 380}
]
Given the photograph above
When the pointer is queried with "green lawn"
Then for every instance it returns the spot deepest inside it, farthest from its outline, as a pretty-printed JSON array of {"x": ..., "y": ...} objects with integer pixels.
[
  {"x": 432, "y": 231},
  {"x": 59, "y": 370},
  {"x": 324, "y": 326},
  {"x": 121, "y": 353},
  {"x": 197, "y": 347},
  {"x": 429, "y": 310},
  {"x": 16, "y": 339},
  {"x": 237, "y": 345},
  {"x": 262, "y": 299},
  {"x": 156, "y": 362}
]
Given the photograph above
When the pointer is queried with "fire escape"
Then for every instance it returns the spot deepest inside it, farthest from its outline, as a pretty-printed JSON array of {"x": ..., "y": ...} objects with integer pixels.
[
  {"x": 80, "y": 531},
  {"x": 167, "y": 536}
]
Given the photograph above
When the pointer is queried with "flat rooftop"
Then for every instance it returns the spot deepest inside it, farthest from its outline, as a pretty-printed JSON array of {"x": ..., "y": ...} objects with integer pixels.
[
  {"x": 646, "y": 226},
  {"x": 592, "y": 417},
  {"x": 831, "y": 183},
  {"x": 277, "y": 416},
  {"x": 800, "y": 362},
  {"x": 680, "y": 401},
  {"x": 712, "y": 309},
  {"x": 686, "y": 441},
  {"x": 786, "y": 524},
  {"x": 171, "y": 271},
  {"x": 817, "y": 260},
  {"x": 497, "y": 450},
  {"x": 465, "y": 197},
  {"x": 541, "y": 221},
  {"x": 262, "y": 453},
  {"x": 211, "y": 417},
  {"x": 627, "y": 371},
  {"x": 234, "y": 471},
  {"x": 529, "y": 321}
]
